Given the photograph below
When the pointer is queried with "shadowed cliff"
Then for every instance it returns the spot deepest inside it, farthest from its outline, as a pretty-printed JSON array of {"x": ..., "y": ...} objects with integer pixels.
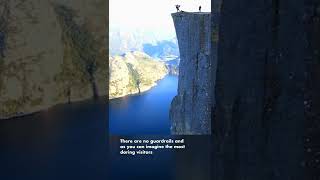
[
  {"x": 266, "y": 119},
  {"x": 190, "y": 111}
]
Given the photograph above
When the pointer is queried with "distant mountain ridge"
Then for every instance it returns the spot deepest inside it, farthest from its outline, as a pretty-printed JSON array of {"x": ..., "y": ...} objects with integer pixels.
[
  {"x": 123, "y": 41},
  {"x": 165, "y": 49}
]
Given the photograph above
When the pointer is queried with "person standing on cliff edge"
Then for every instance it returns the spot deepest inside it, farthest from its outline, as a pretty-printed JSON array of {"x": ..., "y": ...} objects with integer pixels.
[
  {"x": 199, "y": 8},
  {"x": 178, "y": 7}
]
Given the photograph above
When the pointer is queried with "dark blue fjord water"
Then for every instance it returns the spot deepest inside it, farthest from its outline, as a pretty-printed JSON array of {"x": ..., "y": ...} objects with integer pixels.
[
  {"x": 67, "y": 141},
  {"x": 146, "y": 113}
]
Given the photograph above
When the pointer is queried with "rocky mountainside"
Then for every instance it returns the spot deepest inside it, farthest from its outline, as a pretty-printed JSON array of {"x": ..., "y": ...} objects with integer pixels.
[
  {"x": 124, "y": 40},
  {"x": 190, "y": 111},
  {"x": 51, "y": 52},
  {"x": 133, "y": 73}
]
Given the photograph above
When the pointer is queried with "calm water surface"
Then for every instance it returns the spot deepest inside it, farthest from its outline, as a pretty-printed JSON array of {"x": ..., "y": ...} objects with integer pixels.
[
  {"x": 144, "y": 114},
  {"x": 64, "y": 142}
]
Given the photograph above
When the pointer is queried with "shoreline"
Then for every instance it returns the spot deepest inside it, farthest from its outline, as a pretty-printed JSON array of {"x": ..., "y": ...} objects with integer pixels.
[
  {"x": 142, "y": 91},
  {"x": 37, "y": 110},
  {"x": 48, "y": 107}
]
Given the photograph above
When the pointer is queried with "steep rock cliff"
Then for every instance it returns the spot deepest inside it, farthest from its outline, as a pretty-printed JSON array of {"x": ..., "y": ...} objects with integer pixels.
[
  {"x": 190, "y": 111},
  {"x": 51, "y": 52},
  {"x": 312, "y": 95},
  {"x": 258, "y": 124},
  {"x": 133, "y": 73}
]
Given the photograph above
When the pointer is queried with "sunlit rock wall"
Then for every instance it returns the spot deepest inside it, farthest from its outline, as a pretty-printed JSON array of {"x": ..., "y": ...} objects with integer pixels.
[
  {"x": 41, "y": 63},
  {"x": 134, "y": 72}
]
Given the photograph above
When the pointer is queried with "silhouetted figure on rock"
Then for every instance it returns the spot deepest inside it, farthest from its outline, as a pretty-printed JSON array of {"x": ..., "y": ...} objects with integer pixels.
[
  {"x": 178, "y": 7},
  {"x": 199, "y": 8}
]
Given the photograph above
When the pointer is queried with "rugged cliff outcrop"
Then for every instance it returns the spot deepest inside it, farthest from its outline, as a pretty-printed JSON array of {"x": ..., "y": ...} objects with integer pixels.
[
  {"x": 190, "y": 111},
  {"x": 261, "y": 90},
  {"x": 51, "y": 52},
  {"x": 133, "y": 73}
]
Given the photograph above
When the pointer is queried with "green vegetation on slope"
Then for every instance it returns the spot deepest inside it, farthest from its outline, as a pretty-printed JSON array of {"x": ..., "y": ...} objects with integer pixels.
[
  {"x": 134, "y": 77},
  {"x": 133, "y": 73}
]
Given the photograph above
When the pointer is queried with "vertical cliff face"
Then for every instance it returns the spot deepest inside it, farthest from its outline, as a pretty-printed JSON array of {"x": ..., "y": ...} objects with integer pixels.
[
  {"x": 312, "y": 96},
  {"x": 190, "y": 111},
  {"x": 51, "y": 52},
  {"x": 260, "y": 91}
]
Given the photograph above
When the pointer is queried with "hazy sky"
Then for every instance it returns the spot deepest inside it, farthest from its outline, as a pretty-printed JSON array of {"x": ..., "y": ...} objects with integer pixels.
[{"x": 150, "y": 15}]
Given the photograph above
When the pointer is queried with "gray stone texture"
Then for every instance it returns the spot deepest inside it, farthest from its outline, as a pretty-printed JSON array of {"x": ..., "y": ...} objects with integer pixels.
[{"x": 191, "y": 109}]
